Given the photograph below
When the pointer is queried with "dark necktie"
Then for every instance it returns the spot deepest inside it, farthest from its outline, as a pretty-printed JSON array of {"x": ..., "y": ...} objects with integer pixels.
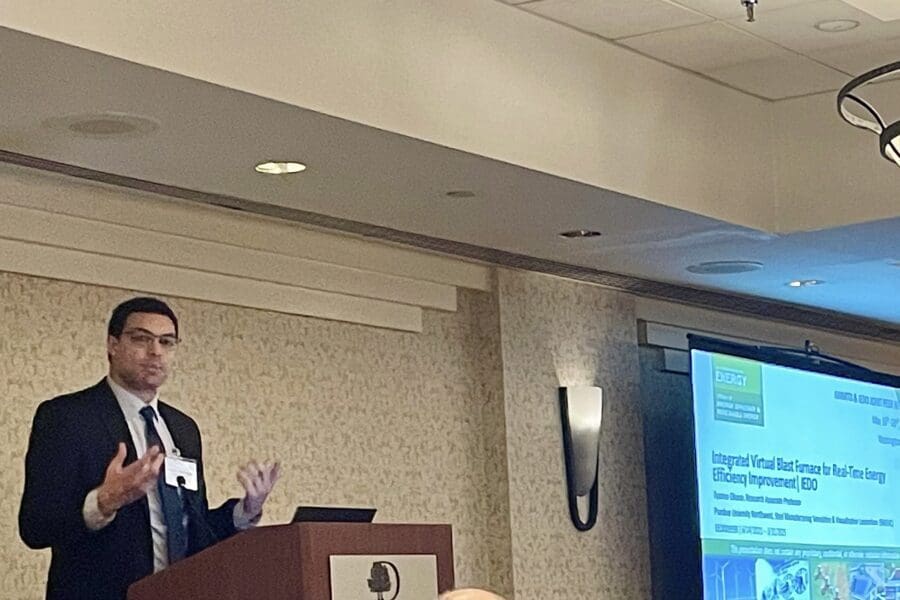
[{"x": 176, "y": 536}]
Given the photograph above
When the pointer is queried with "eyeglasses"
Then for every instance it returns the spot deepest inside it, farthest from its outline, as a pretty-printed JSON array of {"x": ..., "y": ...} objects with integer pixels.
[{"x": 145, "y": 339}]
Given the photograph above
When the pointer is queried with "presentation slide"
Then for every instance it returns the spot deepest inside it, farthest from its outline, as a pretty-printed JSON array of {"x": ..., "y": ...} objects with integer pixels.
[{"x": 798, "y": 477}]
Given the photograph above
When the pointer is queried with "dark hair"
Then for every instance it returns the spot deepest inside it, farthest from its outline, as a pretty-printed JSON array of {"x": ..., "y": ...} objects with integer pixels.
[{"x": 138, "y": 305}]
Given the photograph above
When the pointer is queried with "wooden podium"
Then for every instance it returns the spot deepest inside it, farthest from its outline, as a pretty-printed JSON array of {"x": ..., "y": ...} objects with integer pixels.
[{"x": 291, "y": 562}]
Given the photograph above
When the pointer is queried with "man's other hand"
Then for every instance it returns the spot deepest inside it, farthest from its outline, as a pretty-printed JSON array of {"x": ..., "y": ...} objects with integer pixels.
[
  {"x": 125, "y": 484},
  {"x": 258, "y": 481}
]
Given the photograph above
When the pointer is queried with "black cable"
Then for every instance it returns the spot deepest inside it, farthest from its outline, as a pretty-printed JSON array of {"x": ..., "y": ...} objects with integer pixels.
[
  {"x": 811, "y": 352},
  {"x": 188, "y": 502}
]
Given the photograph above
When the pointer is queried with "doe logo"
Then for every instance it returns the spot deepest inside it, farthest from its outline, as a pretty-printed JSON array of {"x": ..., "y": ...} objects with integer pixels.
[{"x": 737, "y": 387}]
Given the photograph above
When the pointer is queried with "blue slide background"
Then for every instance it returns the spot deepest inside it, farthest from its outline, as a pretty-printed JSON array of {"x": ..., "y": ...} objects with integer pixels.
[{"x": 804, "y": 420}]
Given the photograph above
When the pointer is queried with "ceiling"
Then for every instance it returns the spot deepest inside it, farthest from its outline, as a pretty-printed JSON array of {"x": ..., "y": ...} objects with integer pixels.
[
  {"x": 203, "y": 140},
  {"x": 781, "y": 55}
]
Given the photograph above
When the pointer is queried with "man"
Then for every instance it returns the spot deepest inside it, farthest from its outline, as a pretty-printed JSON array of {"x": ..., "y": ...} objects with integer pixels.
[{"x": 95, "y": 486}]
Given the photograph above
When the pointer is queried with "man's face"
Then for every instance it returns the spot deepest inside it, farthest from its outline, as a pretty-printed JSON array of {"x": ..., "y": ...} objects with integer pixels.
[{"x": 141, "y": 356}]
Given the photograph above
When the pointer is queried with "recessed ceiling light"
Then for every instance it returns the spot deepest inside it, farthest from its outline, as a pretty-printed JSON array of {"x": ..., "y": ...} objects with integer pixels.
[
  {"x": 103, "y": 125},
  {"x": 725, "y": 267},
  {"x": 836, "y": 25},
  {"x": 460, "y": 194},
  {"x": 577, "y": 234},
  {"x": 279, "y": 167},
  {"x": 798, "y": 283}
]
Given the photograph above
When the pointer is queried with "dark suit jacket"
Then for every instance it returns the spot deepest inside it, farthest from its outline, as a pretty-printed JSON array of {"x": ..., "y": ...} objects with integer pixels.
[{"x": 73, "y": 439}]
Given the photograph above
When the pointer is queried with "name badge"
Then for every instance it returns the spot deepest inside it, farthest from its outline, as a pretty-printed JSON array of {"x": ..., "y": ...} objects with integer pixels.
[{"x": 181, "y": 467}]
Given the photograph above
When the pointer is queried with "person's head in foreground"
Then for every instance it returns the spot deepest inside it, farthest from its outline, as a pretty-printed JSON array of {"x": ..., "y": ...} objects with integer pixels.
[{"x": 469, "y": 594}]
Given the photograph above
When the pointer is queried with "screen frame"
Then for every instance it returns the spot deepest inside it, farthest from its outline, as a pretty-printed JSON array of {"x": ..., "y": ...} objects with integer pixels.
[
  {"x": 672, "y": 500},
  {"x": 796, "y": 359}
]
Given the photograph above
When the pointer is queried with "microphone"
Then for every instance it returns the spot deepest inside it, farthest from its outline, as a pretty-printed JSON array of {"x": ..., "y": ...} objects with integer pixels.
[
  {"x": 182, "y": 491},
  {"x": 194, "y": 513}
]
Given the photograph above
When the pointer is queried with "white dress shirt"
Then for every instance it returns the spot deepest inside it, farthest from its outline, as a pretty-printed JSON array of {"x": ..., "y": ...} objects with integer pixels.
[{"x": 95, "y": 520}]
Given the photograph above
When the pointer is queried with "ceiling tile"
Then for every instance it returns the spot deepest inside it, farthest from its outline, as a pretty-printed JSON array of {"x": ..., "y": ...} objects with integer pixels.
[
  {"x": 616, "y": 18},
  {"x": 857, "y": 59},
  {"x": 886, "y": 10},
  {"x": 794, "y": 27},
  {"x": 732, "y": 9},
  {"x": 780, "y": 77},
  {"x": 703, "y": 47}
]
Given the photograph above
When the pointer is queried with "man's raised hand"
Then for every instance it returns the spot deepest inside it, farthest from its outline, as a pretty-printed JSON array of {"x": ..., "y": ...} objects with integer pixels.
[{"x": 125, "y": 484}]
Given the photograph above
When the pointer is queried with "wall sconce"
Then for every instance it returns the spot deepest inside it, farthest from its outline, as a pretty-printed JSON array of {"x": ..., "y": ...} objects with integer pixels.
[{"x": 581, "y": 410}]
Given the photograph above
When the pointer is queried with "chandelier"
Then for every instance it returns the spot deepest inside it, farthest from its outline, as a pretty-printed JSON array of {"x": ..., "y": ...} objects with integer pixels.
[{"x": 888, "y": 135}]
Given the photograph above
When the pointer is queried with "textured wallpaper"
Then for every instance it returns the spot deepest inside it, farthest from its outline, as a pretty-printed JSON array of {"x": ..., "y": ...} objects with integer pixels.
[
  {"x": 409, "y": 423},
  {"x": 458, "y": 424},
  {"x": 557, "y": 332}
]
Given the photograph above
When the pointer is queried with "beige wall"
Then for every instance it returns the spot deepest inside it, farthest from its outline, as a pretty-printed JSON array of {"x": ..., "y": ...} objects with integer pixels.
[
  {"x": 426, "y": 426},
  {"x": 455, "y": 421},
  {"x": 455, "y": 424},
  {"x": 558, "y": 332}
]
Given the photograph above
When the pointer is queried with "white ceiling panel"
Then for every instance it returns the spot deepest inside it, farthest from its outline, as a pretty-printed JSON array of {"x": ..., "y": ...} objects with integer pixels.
[
  {"x": 794, "y": 27},
  {"x": 885, "y": 10},
  {"x": 703, "y": 47},
  {"x": 781, "y": 77},
  {"x": 616, "y": 18},
  {"x": 712, "y": 37},
  {"x": 367, "y": 175},
  {"x": 858, "y": 59},
  {"x": 731, "y": 9}
]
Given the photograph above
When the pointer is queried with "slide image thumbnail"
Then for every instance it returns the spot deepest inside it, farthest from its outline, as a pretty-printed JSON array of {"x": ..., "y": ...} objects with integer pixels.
[
  {"x": 747, "y": 578},
  {"x": 855, "y": 581}
]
